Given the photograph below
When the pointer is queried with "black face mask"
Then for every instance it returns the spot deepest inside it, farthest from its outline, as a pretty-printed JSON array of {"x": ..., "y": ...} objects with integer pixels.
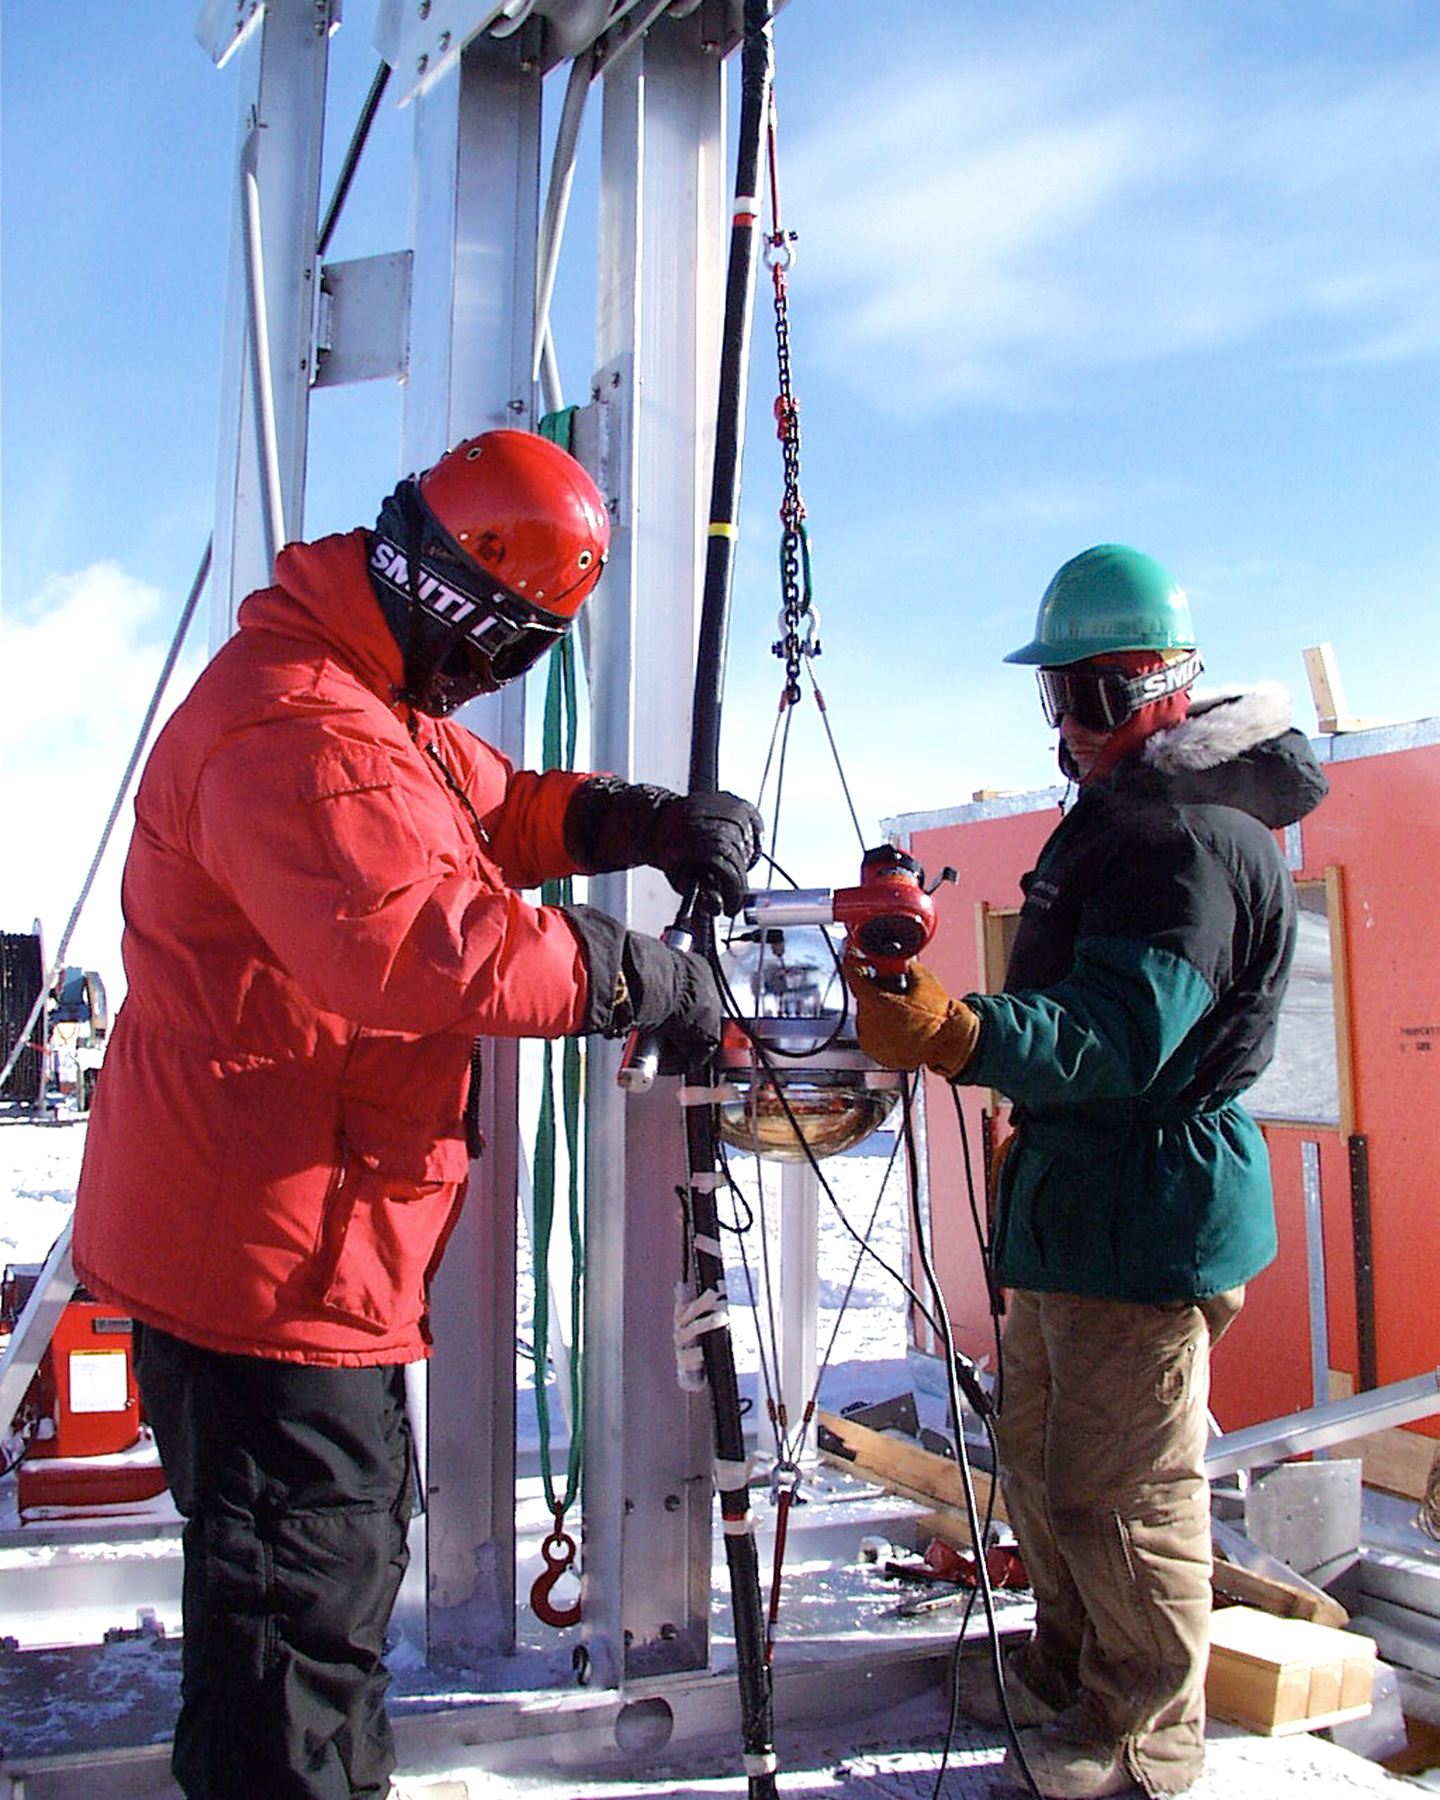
[{"x": 460, "y": 632}]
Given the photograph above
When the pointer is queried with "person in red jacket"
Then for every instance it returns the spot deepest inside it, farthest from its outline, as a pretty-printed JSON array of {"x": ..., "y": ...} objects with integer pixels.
[{"x": 323, "y": 911}]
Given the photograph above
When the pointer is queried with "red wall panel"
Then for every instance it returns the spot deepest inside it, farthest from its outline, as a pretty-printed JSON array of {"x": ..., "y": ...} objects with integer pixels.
[{"x": 1380, "y": 827}]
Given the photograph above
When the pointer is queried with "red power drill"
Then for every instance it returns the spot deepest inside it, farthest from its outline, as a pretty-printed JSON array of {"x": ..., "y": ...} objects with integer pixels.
[{"x": 889, "y": 918}]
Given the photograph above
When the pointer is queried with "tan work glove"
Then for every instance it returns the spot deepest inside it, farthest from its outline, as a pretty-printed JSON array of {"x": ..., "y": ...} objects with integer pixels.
[{"x": 924, "y": 1025}]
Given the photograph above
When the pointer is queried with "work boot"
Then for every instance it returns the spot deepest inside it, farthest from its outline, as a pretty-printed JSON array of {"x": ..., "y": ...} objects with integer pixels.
[
  {"x": 977, "y": 1699},
  {"x": 1068, "y": 1763}
]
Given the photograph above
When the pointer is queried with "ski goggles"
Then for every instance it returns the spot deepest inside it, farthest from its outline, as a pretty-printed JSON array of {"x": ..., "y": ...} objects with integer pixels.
[
  {"x": 1102, "y": 699},
  {"x": 511, "y": 639},
  {"x": 479, "y": 631},
  {"x": 479, "y": 616}
]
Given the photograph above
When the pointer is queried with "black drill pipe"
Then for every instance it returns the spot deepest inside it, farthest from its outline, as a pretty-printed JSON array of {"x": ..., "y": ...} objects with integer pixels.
[
  {"x": 757, "y": 1714},
  {"x": 756, "y": 70}
]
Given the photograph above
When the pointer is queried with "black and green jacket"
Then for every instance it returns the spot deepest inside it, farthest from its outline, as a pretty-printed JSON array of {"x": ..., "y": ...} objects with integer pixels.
[{"x": 1141, "y": 1000}]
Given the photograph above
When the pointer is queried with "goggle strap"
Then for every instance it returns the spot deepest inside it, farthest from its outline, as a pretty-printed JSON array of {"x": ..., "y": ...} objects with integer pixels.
[{"x": 1059, "y": 689}]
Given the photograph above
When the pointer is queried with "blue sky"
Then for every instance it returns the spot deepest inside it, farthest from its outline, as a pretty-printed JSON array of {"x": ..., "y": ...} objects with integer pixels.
[{"x": 1151, "y": 273}]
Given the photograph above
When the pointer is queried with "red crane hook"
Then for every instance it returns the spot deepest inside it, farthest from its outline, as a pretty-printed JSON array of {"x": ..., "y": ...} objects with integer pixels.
[{"x": 559, "y": 1553}]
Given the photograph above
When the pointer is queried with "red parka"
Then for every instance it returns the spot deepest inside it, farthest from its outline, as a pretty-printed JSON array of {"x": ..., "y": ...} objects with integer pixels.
[{"x": 316, "y": 929}]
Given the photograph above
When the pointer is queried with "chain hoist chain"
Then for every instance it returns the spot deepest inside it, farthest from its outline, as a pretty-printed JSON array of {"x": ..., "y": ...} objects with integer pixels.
[{"x": 794, "y": 542}]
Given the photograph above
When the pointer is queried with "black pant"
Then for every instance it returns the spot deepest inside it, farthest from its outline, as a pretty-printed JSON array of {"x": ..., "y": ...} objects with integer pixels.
[{"x": 295, "y": 1483}]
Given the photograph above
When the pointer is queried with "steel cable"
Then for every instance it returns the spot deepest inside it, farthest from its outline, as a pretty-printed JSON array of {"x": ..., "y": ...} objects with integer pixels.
[{"x": 172, "y": 656}]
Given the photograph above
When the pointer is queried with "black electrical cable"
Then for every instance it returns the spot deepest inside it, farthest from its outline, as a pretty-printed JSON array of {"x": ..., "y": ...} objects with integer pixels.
[
  {"x": 756, "y": 71},
  {"x": 756, "y": 1698},
  {"x": 956, "y": 1370},
  {"x": 739, "y": 1198},
  {"x": 774, "y": 1076},
  {"x": 958, "y": 1373},
  {"x": 962, "y": 1463},
  {"x": 865, "y": 1250},
  {"x": 982, "y": 1239},
  {"x": 861, "y": 1238}
]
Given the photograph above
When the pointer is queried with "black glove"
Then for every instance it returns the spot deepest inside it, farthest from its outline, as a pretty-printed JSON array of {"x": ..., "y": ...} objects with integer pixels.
[
  {"x": 704, "y": 840},
  {"x": 636, "y": 981}
]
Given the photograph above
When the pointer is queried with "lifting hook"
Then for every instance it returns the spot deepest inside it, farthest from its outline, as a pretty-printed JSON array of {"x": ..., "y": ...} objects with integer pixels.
[{"x": 559, "y": 1553}]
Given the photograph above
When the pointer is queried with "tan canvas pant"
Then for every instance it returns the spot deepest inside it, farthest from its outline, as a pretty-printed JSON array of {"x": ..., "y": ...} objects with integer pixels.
[{"x": 1102, "y": 1439}]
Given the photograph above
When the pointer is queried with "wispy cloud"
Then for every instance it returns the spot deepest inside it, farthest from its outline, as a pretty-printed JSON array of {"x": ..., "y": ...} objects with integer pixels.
[
  {"x": 84, "y": 656},
  {"x": 999, "y": 232}
]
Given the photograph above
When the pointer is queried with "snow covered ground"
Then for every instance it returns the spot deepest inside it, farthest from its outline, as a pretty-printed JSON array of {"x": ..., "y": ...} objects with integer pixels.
[
  {"x": 847, "y": 1749},
  {"x": 39, "y": 1165}
]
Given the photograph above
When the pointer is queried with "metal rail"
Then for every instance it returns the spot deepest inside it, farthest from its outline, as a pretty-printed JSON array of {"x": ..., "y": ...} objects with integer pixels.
[
  {"x": 1337, "y": 1422},
  {"x": 273, "y": 511}
]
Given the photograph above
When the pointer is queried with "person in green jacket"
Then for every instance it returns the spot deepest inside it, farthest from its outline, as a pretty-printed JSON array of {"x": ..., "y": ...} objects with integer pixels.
[{"x": 1133, "y": 1201}]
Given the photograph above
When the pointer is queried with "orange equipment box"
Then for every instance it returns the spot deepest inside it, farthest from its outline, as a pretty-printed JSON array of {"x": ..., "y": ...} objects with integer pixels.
[{"x": 89, "y": 1370}]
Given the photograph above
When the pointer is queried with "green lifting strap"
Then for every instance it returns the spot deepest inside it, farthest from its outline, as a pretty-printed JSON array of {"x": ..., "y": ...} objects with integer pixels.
[
  {"x": 560, "y": 707},
  {"x": 559, "y": 427}
]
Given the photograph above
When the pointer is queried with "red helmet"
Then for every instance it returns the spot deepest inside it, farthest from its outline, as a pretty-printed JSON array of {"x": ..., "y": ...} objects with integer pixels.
[
  {"x": 525, "y": 510},
  {"x": 482, "y": 563}
]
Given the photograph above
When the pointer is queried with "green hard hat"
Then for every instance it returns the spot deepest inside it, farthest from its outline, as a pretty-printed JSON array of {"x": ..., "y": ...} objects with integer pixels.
[{"x": 1108, "y": 598}]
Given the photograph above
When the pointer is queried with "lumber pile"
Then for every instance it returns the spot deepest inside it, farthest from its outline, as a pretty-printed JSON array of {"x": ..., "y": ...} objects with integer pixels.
[{"x": 907, "y": 1469}]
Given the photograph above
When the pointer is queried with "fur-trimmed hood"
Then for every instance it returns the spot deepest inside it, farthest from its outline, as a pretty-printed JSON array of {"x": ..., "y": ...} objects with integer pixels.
[
  {"x": 1223, "y": 723},
  {"x": 1236, "y": 748}
]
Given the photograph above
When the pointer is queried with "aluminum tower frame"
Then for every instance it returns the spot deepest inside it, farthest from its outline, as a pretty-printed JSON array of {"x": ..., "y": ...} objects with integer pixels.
[{"x": 469, "y": 361}]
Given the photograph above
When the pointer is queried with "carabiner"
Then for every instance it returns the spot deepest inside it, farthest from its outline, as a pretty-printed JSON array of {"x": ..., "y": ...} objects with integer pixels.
[
  {"x": 559, "y": 1553},
  {"x": 784, "y": 1480}
]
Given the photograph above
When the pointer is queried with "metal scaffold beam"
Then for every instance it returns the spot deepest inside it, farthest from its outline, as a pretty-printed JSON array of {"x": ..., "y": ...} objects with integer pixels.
[{"x": 461, "y": 313}]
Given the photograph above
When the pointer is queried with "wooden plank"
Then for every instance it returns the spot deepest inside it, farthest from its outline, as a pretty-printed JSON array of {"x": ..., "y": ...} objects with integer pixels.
[
  {"x": 951, "y": 1528},
  {"x": 1230, "y": 1582},
  {"x": 904, "y": 1468},
  {"x": 1395, "y": 1460}
]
